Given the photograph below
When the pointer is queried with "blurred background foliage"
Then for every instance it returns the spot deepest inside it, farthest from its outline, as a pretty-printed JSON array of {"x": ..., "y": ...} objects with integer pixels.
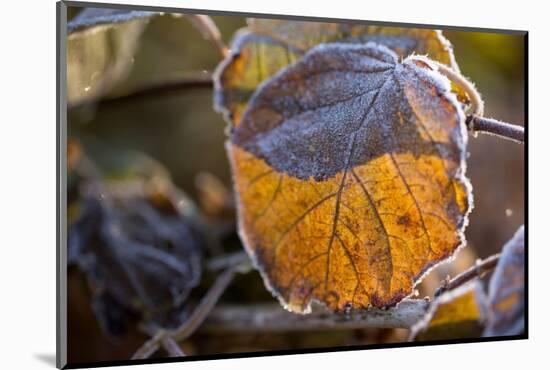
[{"x": 181, "y": 133}]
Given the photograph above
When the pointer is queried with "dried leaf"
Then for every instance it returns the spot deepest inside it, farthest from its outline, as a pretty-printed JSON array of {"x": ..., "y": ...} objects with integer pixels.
[
  {"x": 349, "y": 171},
  {"x": 141, "y": 253},
  {"x": 507, "y": 290},
  {"x": 456, "y": 314},
  {"x": 99, "y": 56},
  {"x": 267, "y": 46},
  {"x": 106, "y": 48}
]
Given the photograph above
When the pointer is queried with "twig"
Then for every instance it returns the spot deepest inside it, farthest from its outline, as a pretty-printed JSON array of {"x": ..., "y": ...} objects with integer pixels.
[
  {"x": 495, "y": 127},
  {"x": 273, "y": 318},
  {"x": 475, "y": 121},
  {"x": 478, "y": 270},
  {"x": 232, "y": 259},
  {"x": 193, "y": 322},
  {"x": 205, "y": 306},
  {"x": 171, "y": 347},
  {"x": 209, "y": 31},
  {"x": 156, "y": 89},
  {"x": 149, "y": 347}
]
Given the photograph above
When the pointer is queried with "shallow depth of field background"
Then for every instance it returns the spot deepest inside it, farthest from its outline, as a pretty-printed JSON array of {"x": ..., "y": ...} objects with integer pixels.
[{"x": 184, "y": 133}]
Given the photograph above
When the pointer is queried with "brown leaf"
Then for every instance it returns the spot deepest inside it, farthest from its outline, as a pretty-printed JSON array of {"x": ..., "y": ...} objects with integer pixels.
[
  {"x": 267, "y": 46},
  {"x": 507, "y": 290},
  {"x": 349, "y": 171},
  {"x": 140, "y": 252},
  {"x": 456, "y": 314}
]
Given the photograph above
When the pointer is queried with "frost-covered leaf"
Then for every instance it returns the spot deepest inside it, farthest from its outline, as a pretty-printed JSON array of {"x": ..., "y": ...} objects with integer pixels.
[
  {"x": 456, "y": 314},
  {"x": 111, "y": 51},
  {"x": 267, "y": 46},
  {"x": 304, "y": 35},
  {"x": 349, "y": 171},
  {"x": 99, "y": 55},
  {"x": 507, "y": 290},
  {"x": 93, "y": 17},
  {"x": 135, "y": 239}
]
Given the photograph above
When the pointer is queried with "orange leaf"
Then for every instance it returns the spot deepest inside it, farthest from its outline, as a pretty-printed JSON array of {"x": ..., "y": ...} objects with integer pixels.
[{"x": 349, "y": 170}]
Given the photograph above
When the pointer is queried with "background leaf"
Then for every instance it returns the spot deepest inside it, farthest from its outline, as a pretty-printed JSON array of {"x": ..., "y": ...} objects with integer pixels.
[
  {"x": 92, "y": 17},
  {"x": 349, "y": 168},
  {"x": 98, "y": 58},
  {"x": 133, "y": 234},
  {"x": 110, "y": 52},
  {"x": 507, "y": 290},
  {"x": 267, "y": 46},
  {"x": 456, "y": 314}
]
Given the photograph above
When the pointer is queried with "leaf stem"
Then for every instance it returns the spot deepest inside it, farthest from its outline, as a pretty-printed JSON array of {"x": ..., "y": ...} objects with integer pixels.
[
  {"x": 496, "y": 127},
  {"x": 479, "y": 269},
  {"x": 475, "y": 121},
  {"x": 476, "y": 102}
]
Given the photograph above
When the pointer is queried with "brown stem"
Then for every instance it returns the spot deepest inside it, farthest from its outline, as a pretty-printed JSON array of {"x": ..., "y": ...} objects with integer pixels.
[
  {"x": 478, "y": 270},
  {"x": 205, "y": 306},
  {"x": 495, "y": 127},
  {"x": 475, "y": 121}
]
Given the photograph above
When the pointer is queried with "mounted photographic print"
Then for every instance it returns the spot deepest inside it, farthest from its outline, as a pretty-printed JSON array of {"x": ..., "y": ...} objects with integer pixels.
[{"x": 236, "y": 185}]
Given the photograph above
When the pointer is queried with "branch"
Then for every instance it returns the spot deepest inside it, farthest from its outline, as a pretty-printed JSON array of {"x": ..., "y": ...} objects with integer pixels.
[
  {"x": 194, "y": 321},
  {"x": 270, "y": 317},
  {"x": 156, "y": 89},
  {"x": 227, "y": 260},
  {"x": 150, "y": 347},
  {"x": 171, "y": 347},
  {"x": 478, "y": 270},
  {"x": 495, "y": 127},
  {"x": 273, "y": 318},
  {"x": 205, "y": 306},
  {"x": 475, "y": 121}
]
